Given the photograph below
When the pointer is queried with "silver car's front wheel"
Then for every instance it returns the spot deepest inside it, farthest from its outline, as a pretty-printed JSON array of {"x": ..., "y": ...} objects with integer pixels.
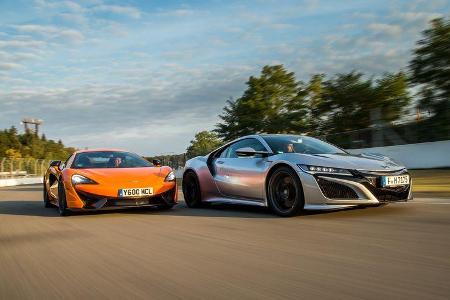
[
  {"x": 191, "y": 190},
  {"x": 285, "y": 193}
]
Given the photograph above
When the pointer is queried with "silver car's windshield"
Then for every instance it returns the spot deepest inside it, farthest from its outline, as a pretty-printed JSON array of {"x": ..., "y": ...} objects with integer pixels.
[{"x": 300, "y": 144}]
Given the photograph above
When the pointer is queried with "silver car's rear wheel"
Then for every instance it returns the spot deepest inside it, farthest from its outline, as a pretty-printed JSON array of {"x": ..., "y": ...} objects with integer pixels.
[
  {"x": 285, "y": 193},
  {"x": 191, "y": 190}
]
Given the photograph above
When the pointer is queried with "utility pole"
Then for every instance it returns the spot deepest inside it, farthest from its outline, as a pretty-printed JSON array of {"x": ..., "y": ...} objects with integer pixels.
[{"x": 27, "y": 122}]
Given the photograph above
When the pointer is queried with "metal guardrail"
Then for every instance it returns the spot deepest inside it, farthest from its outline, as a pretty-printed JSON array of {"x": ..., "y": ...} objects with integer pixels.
[{"x": 22, "y": 167}]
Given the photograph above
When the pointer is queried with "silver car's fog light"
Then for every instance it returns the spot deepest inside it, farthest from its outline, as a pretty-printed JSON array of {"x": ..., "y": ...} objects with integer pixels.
[{"x": 324, "y": 170}]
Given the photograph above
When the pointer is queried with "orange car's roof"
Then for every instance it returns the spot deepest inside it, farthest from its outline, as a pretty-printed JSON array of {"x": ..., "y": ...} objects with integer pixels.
[{"x": 101, "y": 149}]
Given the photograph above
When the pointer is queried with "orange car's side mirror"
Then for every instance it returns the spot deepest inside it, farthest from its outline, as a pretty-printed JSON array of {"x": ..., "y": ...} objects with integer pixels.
[{"x": 55, "y": 163}]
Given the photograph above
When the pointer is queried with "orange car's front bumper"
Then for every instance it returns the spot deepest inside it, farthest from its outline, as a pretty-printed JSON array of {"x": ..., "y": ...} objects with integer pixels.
[{"x": 99, "y": 197}]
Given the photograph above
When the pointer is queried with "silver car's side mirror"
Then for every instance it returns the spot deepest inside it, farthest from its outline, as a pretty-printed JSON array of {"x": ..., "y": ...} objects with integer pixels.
[{"x": 249, "y": 152}]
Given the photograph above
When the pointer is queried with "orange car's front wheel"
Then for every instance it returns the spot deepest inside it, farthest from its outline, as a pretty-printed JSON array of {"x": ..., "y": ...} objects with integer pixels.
[
  {"x": 47, "y": 203},
  {"x": 62, "y": 204}
]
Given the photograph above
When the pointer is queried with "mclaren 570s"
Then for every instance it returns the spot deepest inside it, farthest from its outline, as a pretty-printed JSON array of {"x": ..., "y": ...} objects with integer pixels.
[{"x": 106, "y": 179}]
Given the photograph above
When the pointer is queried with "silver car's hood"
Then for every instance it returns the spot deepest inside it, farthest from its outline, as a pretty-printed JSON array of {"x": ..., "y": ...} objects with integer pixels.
[{"x": 344, "y": 161}]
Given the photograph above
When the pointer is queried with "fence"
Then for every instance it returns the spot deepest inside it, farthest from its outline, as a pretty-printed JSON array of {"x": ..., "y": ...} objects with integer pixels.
[{"x": 22, "y": 167}]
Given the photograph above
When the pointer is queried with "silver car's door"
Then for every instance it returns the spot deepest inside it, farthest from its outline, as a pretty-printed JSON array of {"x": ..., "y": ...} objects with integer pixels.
[{"x": 241, "y": 177}]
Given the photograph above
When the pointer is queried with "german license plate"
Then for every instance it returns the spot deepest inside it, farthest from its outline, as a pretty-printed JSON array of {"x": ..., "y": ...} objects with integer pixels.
[
  {"x": 394, "y": 180},
  {"x": 135, "y": 192}
]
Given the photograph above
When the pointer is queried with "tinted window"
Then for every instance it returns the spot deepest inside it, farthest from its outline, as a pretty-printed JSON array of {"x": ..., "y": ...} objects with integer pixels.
[
  {"x": 109, "y": 159},
  {"x": 252, "y": 143},
  {"x": 300, "y": 144}
]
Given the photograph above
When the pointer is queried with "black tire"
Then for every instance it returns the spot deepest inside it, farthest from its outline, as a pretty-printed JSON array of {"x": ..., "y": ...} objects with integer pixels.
[
  {"x": 62, "y": 204},
  {"x": 285, "y": 192},
  {"x": 191, "y": 190},
  {"x": 47, "y": 203}
]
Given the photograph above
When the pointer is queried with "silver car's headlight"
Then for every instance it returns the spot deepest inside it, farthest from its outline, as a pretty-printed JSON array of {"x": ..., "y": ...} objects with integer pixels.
[
  {"x": 80, "y": 179},
  {"x": 324, "y": 170},
  {"x": 170, "y": 177}
]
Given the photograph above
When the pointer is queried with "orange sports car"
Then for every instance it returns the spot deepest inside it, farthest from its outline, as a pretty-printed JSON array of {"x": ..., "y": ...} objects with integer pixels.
[{"x": 105, "y": 178}]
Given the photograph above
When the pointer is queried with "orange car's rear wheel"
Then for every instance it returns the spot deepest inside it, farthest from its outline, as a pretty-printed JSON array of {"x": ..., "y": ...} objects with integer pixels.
[{"x": 62, "y": 204}]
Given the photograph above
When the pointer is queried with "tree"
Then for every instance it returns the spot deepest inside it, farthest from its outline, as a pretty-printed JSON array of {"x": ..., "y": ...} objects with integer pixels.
[
  {"x": 392, "y": 96},
  {"x": 15, "y": 145},
  {"x": 349, "y": 101},
  {"x": 203, "y": 143},
  {"x": 345, "y": 99},
  {"x": 228, "y": 130},
  {"x": 430, "y": 69},
  {"x": 314, "y": 98},
  {"x": 13, "y": 154},
  {"x": 264, "y": 106}
]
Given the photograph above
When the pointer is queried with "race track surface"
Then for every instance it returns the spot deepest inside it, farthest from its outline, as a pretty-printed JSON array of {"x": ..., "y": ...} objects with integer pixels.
[{"x": 399, "y": 251}]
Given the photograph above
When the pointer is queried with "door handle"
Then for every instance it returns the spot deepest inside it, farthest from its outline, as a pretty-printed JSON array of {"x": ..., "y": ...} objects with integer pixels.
[{"x": 220, "y": 162}]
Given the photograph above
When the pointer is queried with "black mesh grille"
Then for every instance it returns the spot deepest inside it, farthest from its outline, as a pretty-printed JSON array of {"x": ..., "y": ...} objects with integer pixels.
[
  {"x": 92, "y": 201},
  {"x": 389, "y": 193},
  {"x": 336, "y": 190}
]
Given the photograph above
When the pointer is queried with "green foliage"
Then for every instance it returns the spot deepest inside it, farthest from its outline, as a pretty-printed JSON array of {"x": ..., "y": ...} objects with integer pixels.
[
  {"x": 203, "y": 143},
  {"x": 28, "y": 145},
  {"x": 430, "y": 69},
  {"x": 271, "y": 103},
  {"x": 349, "y": 101},
  {"x": 276, "y": 103},
  {"x": 314, "y": 94}
]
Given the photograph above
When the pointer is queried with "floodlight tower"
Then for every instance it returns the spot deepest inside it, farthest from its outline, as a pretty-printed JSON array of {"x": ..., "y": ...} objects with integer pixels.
[{"x": 30, "y": 121}]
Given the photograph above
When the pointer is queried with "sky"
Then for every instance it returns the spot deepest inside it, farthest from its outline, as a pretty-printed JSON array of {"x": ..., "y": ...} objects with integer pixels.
[{"x": 147, "y": 75}]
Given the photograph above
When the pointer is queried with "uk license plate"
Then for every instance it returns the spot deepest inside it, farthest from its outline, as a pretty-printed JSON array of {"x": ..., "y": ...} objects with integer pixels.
[
  {"x": 394, "y": 180},
  {"x": 135, "y": 192}
]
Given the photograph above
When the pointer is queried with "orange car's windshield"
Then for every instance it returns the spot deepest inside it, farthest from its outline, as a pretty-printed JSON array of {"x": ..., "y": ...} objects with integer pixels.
[{"x": 109, "y": 159}]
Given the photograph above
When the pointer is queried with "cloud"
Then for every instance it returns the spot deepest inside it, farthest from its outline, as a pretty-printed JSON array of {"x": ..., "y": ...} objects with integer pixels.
[
  {"x": 9, "y": 66},
  {"x": 21, "y": 43},
  {"x": 16, "y": 57},
  {"x": 151, "y": 112},
  {"x": 414, "y": 16},
  {"x": 129, "y": 11},
  {"x": 388, "y": 29},
  {"x": 52, "y": 32},
  {"x": 73, "y": 18},
  {"x": 65, "y": 5},
  {"x": 180, "y": 12}
]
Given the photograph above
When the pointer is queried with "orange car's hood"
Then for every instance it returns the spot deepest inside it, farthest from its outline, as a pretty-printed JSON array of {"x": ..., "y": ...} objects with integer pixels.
[
  {"x": 111, "y": 179},
  {"x": 123, "y": 175}
]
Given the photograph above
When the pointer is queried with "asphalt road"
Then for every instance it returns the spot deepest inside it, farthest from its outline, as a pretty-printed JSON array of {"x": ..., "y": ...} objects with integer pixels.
[{"x": 399, "y": 251}]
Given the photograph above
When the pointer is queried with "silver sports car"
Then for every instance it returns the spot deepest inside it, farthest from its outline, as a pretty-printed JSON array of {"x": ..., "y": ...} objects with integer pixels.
[{"x": 289, "y": 173}]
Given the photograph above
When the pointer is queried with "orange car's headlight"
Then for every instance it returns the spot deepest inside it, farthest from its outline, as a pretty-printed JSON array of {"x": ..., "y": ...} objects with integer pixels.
[
  {"x": 80, "y": 179},
  {"x": 170, "y": 177}
]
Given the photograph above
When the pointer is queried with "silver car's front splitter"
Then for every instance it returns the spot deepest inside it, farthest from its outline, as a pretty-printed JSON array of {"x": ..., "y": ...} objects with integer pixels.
[{"x": 315, "y": 199}]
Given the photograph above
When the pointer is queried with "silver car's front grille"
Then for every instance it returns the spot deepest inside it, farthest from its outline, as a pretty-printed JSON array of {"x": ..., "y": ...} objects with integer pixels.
[{"x": 334, "y": 190}]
